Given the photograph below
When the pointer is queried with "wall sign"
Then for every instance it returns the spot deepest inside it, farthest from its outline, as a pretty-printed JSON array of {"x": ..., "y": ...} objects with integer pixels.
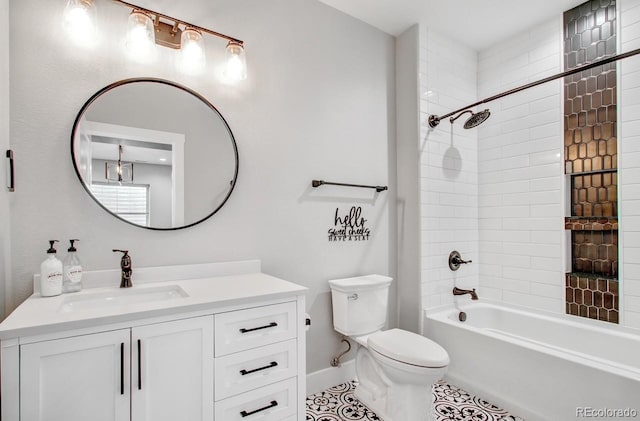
[{"x": 350, "y": 227}]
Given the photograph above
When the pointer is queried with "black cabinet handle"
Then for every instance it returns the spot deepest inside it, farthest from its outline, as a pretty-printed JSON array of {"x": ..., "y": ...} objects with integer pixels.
[
  {"x": 12, "y": 181},
  {"x": 139, "y": 365},
  {"x": 271, "y": 405},
  {"x": 122, "y": 368},
  {"x": 270, "y": 365},
  {"x": 272, "y": 324}
]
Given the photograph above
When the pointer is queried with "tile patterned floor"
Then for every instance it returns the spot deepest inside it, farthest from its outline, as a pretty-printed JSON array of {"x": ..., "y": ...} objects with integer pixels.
[{"x": 451, "y": 404}]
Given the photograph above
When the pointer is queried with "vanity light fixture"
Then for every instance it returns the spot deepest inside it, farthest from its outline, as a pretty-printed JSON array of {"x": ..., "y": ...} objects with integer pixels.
[
  {"x": 79, "y": 19},
  {"x": 186, "y": 37}
]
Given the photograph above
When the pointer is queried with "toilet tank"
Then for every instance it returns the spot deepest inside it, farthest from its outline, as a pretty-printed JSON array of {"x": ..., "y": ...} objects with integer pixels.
[{"x": 360, "y": 304}]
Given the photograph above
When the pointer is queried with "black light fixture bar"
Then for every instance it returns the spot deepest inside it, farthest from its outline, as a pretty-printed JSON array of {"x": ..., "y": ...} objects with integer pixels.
[
  {"x": 178, "y": 21},
  {"x": 318, "y": 183},
  {"x": 434, "y": 120}
]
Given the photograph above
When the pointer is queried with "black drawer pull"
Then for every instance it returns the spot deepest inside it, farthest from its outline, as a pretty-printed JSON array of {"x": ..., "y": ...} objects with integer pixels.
[
  {"x": 271, "y": 364},
  {"x": 272, "y": 324},
  {"x": 139, "y": 365},
  {"x": 122, "y": 368},
  {"x": 273, "y": 404},
  {"x": 12, "y": 176}
]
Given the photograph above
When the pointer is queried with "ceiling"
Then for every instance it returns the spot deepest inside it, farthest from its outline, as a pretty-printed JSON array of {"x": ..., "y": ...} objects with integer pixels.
[{"x": 478, "y": 24}]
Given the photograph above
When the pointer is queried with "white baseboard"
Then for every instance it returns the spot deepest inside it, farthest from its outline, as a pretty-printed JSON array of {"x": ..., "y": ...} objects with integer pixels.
[{"x": 323, "y": 379}]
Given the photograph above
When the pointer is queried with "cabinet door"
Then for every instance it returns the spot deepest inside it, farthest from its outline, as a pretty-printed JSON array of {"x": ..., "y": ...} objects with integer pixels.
[
  {"x": 76, "y": 379},
  {"x": 172, "y": 371}
]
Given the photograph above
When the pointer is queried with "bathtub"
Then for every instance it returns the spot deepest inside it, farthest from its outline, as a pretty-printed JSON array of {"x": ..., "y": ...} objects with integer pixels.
[{"x": 541, "y": 366}]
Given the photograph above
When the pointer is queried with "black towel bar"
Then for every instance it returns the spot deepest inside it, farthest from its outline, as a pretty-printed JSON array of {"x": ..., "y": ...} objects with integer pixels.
[{"x": 318, "y": 183}]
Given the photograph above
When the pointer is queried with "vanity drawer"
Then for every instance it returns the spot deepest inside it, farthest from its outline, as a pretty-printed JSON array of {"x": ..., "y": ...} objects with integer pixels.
[
  {"x": 247, "y": 370},
  {"x": 245, "y": 329},
  {"x": 275, "y": 402}
]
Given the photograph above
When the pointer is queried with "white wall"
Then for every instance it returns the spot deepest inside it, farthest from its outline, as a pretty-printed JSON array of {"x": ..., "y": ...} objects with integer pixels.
[
  {"x": 408, "y": 156},
  {"x": 5, "y": 228},
  {"x": 628, "y": 159},
  {"x": 448, "y": 176},
  {"x": 520, "y": 172},
  {"x": 319, "y": 103}
]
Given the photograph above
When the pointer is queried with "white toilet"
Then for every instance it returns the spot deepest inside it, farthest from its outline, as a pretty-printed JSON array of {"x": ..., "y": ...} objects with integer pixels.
[{"x": 396, "y": 369}]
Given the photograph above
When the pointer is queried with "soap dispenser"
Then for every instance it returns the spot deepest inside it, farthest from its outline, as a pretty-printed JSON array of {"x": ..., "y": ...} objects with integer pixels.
[
  {"x": 72, "y": 270},
  {"x": 51, "y": 273}
]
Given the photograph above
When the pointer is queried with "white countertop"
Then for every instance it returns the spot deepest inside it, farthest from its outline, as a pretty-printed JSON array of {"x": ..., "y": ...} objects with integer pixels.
[{"x": 39, "y": 315}]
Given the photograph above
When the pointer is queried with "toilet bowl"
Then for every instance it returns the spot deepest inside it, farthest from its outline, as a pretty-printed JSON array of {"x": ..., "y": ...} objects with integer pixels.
[{"x": 396, "y": 369}]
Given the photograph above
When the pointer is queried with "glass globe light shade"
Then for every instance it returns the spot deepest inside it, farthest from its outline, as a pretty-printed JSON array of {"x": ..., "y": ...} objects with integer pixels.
[
  {"x": 79, "y": 21},
  {"x": 140, "y": 35},
  {"x": 192, "y": 55},
  {"x": 236, "y": 66}
]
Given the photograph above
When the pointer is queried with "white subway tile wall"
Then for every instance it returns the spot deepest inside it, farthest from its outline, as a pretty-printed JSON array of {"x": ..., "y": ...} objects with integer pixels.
[
  {"x": 449, "y": 169},
  {"x": 497, "y": 193},
  {"x": 629, "y": 159},
  {"x": 520, "y": 181}
]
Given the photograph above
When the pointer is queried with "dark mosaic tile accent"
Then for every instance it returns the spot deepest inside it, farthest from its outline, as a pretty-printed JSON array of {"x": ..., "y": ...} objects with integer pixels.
[
  {"x": 591, "y": 152},
  {"x": 595, "y": 195},
  {"x": 595, "y": 252},
  {"x": 590, "y": 97},
  {"x": 590, "y": 224},
  {"x": 593, "y": 297},
  {"x": 450, "y": 403}
]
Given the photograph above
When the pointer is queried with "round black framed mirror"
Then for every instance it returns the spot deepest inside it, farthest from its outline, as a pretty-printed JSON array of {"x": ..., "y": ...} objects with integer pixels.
[{"x": 154, "y": 153}]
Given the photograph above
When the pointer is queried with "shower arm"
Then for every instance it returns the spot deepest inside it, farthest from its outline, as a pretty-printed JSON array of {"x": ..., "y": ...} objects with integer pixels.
[
  {"x": 434, "y": 120},
  {"x": 452, "y": 119}
]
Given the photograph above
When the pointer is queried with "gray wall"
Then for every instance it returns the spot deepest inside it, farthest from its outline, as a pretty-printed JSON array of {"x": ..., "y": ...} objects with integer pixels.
[
  {"x": 319, "y": 103},
  {"x": 4, "y": 145},
  {"x": 408, "y": 135}
]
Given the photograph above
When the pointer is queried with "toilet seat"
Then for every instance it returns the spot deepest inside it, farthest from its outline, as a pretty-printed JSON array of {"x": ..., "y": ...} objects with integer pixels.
[{"x": 408, "y": 348}]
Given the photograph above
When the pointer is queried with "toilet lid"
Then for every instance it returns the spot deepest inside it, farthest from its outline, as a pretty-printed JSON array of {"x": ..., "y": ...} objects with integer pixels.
[{"x": 409, "y": 348}]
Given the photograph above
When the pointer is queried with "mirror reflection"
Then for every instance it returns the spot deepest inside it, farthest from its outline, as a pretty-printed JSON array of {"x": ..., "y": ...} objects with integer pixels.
[{"x": 154, "y": 153}]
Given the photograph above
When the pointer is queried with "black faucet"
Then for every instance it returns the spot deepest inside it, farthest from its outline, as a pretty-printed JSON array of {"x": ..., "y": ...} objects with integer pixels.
[
  {"x": 472, "y": 292},
  {"x": 125, "y": 265}
]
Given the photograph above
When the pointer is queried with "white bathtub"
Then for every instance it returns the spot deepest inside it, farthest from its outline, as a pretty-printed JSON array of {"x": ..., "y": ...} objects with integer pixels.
[{"x": 540, "y": 366}]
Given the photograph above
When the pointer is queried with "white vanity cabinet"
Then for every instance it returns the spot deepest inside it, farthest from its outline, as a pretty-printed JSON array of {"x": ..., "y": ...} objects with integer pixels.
[
  {"x": 256, "y": 363},
  {"x": 154, "y": 372},
  {"x": 76, "y": 378},
  {"x": 172, "y": 370},
  {"x": 227, "y": 348}
]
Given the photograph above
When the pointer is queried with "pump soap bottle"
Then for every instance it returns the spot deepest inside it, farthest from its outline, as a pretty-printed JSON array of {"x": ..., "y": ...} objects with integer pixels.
[
  {"x": 51, "y": 273},
  {"x": 72, "y": 270}
]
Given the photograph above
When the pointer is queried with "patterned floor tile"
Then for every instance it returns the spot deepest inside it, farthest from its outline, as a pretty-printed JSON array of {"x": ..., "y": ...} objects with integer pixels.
[{"x": 451, "y": 404}]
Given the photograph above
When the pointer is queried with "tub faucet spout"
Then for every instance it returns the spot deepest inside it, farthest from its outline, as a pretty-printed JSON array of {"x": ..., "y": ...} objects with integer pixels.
[{"x": 472, "y": 292}]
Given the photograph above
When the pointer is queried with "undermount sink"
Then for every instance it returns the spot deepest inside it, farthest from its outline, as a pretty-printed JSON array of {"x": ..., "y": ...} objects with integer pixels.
[{"x": 120, "y": 298}]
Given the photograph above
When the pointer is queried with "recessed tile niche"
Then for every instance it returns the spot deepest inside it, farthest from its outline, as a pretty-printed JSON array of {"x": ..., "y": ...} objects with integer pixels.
[{"x": 591, "y": 156}]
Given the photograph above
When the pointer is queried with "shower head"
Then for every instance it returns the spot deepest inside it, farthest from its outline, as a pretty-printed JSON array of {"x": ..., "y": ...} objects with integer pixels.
[{"x": 477, "y": 119}]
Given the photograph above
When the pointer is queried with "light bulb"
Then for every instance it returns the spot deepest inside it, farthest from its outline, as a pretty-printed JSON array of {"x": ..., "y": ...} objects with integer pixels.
[
  {"x": 236, "y": 66},
  {"x": 192, "y": 57},
  {"x": 140, "y": 36},
  {"x": 79, "y": 22}
]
